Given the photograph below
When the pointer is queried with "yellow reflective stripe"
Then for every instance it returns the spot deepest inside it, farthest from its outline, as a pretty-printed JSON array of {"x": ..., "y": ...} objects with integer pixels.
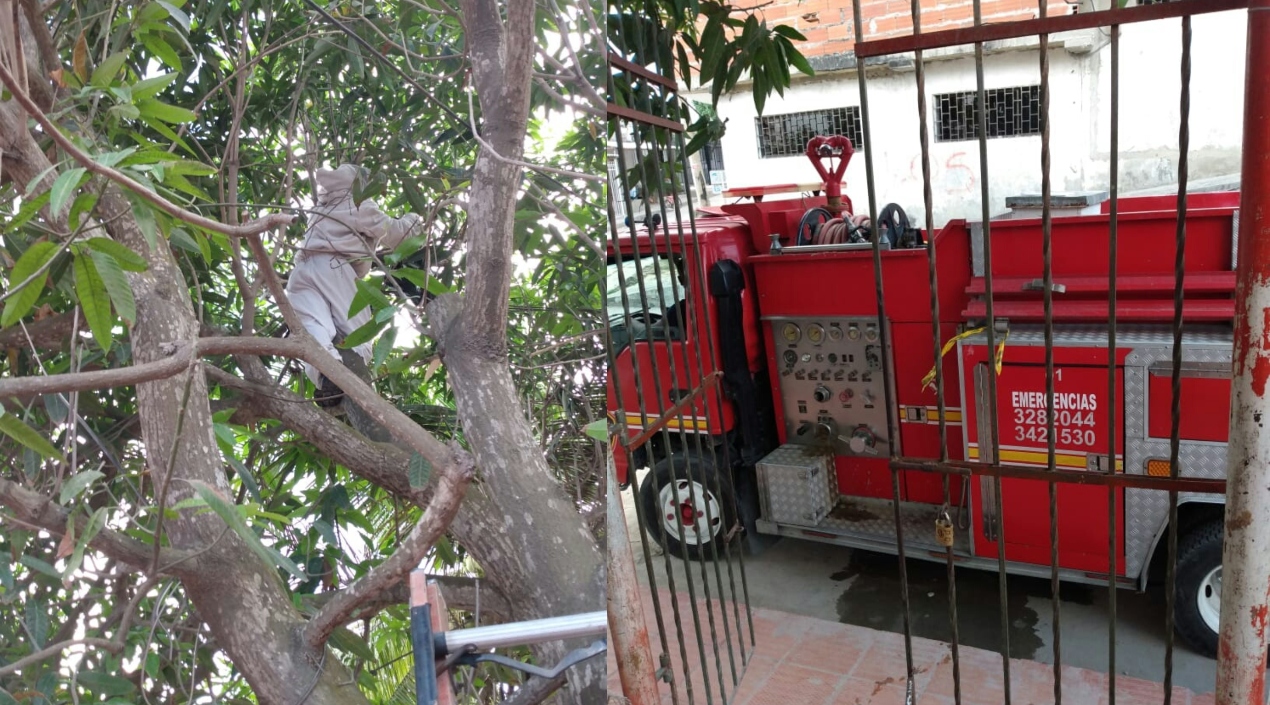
[
  {"x": 1041, "y": 458},
  {"x": 951, "y": 415},
  {"x": 696, "y": 423}
]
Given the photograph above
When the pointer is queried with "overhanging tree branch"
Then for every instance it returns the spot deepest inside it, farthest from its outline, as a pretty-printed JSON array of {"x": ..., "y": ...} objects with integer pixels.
[
  {"x": 36, "y": 509},
  {"x": 436, "y": 518},
  {"x": 252, "y": 227}
]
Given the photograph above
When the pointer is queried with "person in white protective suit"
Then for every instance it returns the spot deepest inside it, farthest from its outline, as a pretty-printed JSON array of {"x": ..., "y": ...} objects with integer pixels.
[{"x": 336, "y": 252}]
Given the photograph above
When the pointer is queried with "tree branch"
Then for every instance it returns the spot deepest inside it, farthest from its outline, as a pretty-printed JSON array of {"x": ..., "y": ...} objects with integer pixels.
[
  {"x": 536, "y": 690},
  {"x": 451, "y": 485},
  {"x": 252, "y": 227},
  {"x": 460, "y": 594},
  {"x": 36, "y": 509},
  {"x": 471, "y": 116}
]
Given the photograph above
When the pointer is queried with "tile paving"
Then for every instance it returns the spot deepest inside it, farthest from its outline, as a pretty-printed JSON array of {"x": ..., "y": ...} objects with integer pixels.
[{"x": 798, "y": 660}]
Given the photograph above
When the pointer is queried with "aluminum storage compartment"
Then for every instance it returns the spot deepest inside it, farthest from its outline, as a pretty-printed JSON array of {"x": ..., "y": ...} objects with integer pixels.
[{"x": 796, "y": 485}]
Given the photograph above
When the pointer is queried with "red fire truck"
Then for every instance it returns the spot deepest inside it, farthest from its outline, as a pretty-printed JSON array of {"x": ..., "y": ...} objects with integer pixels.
[{"x": 785, "y": 299}]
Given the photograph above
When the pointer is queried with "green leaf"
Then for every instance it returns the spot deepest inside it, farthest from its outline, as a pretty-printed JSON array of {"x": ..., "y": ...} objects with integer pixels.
[
  {"x": 37, "y": 622},
  {"x": 145, "y": 221},
  {"x": 116, "y": 285},
  {"x": 63, "y": 188},
  {"x": 122, "y": 254},
  {"x": 6, "y": 574},
  {"x": 349, "y": 642},
  {"x": 599, "y": 430},
  {"x": 182, "y": 184},
  {"x": 104, "y": 74},
  {"x": 182, "y": 239},
  {"x": 31, "y": 261},
  {"x": 163, "y": 112},
  {"x": 363, "y": 334},
  {"x": 383, "y": 347},
  {"x": 177, "y": 14},
  {"x": 76, "y": 484},
  {"x": 160, "y": 48},
  {"x": 228, "y": 513},
  {"x": 420, "y": 470},
  {"x": 94, "y": 299},
  {"x": 150, "y": 87},
  {"x": 104, "y": 683},
  {"x": 16, "y": 428},
  {"x": 30, "y": 207},
  {"x": 367, "y": 295},
  {"x": 789, "y": 32},
  {"x": 40, "y": 566}
]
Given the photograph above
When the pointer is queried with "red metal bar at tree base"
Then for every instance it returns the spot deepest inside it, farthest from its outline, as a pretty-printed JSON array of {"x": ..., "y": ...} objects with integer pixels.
[
  {"x": 656, "y": 426},
  {"x": 1071, "y": 477},
  {"x": 629, "y": 630},
  {"x": 1245, "y": 582},
  {"x": 1046, "y": 25}
]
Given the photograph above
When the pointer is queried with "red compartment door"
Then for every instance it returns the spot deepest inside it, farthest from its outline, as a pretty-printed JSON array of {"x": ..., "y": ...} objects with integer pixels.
[{"x": 1080, "y": 428}]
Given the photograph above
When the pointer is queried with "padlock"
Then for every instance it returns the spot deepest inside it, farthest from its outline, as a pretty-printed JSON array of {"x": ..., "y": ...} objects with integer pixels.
[{"x": 944, "y": 529}]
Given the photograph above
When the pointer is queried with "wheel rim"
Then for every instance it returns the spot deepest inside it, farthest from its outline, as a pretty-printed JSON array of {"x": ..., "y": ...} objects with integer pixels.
[
  {"x": 690, "y": 503},
  {"x": 1208, "y": 598}
]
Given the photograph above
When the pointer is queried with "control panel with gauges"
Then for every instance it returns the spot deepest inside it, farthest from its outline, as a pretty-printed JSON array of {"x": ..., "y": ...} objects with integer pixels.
[{"x": 831, "y": 384}]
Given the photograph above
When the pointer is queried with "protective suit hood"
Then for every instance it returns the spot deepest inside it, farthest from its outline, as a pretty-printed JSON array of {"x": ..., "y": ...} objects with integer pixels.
[{"x": 336, "y": 184}]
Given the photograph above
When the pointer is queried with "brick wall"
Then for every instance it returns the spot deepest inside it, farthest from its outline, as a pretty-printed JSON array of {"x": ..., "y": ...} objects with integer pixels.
[{"x": 830, "y": 29}]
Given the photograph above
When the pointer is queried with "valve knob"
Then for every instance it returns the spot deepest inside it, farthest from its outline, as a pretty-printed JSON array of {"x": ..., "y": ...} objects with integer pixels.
[
  {"x": 862, "y": 440},
  {"x": 822, "y": 393}
]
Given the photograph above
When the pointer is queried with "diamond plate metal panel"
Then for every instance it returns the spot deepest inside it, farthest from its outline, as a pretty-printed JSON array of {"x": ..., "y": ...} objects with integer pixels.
[
  {"x": 1129, "y": 336},
  {"x": 1146, "y": 511},
  {"x": 875, "y": 518},
  {"x": 798, "y": 485}
]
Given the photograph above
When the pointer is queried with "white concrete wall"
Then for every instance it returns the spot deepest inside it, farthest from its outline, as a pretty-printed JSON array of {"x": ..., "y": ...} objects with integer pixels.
[{"x": 1079, "y": 110}]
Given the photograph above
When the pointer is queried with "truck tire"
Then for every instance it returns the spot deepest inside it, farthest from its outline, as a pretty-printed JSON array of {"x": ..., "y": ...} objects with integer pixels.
[
  {"x": 688, "y": 489},
  {"x": 1197, "y": 606}
]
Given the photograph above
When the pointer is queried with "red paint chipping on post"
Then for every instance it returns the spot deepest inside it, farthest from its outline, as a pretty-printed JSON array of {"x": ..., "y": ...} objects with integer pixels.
[{"x": 1259, "y": 619}]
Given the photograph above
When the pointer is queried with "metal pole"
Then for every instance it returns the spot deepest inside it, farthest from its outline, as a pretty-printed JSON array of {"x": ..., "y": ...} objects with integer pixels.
[
  {"x": 634, "y": 654},
  {"x": 1241, "y": 653},
  {"x": 534, "y": 631}
]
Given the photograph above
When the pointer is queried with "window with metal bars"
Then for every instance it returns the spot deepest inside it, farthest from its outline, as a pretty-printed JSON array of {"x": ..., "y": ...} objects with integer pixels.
[
  {"x": 1011, "y": 112},
  {"x": 787, "y": 135}
]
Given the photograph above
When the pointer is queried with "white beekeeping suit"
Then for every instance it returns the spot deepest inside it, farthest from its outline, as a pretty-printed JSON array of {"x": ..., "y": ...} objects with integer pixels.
[{"x": 336, "y": 252}]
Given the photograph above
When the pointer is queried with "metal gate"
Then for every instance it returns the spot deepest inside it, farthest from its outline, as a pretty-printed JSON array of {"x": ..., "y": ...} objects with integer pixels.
[
  {"x": 659, "y": 264},
  {"x": 664, "y": 376}
]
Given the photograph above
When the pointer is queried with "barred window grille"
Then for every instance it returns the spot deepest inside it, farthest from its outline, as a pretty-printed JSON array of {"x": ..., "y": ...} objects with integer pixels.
[
  {"x": 712, "y": 155},
  {"x": 1012, "y": 112},
  {"x": 787, "y": 135}
]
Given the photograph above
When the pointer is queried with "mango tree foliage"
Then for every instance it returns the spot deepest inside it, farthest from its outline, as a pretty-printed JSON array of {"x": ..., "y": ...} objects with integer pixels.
[{"x": 263, "y": 505}]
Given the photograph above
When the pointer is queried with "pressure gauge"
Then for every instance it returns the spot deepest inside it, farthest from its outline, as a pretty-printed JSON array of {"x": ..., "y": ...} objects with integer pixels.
[
  {"x": 871, "y": 333},
  {"x": 853, "y": 332},
  {"x": 815, "y": 334},
  {"x": 790, "y": 358},
  {"x": 791, "y": 333},
  {"x": 835, "y": 333}
]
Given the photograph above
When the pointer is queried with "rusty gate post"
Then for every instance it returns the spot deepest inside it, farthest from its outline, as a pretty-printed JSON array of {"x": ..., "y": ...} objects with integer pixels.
[
  {"x": 631, "y": 648},
  {"x": 1245, "y": 588}
]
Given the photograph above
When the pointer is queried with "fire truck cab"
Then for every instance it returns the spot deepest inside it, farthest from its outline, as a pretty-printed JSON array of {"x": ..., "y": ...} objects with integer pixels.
[{"x": 822, "y": 392}]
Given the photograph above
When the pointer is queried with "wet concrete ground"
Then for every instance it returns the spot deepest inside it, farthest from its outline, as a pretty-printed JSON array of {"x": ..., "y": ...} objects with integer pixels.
[{"x": 862, "y": 588}]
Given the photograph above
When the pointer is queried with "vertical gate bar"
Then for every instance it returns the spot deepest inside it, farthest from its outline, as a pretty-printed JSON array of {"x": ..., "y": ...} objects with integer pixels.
[
  {"x": 981, "y": 120},
  {"x": 657, "y": 389},
  {"x": 1179, "y": 273},
  {"x": 690, "y": 313},
  {"x": 936, "y": 338},
  {"x": 888, "y": 370},
  {"x": 635, "y": 666},
  {"x": 704, "y": 312},
  {"x": 1241, "y": 653},
  {"x": 639, "y": 394},
  {"x": 657, "y": 152},
  {"x": 1047, "y": 246},
  {"x": 1113, "y": 251},
  {"x": 662, "y": 398}
]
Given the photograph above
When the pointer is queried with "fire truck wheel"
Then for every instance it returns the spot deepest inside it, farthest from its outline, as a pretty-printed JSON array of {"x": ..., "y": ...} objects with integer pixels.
[
  {"x": 688, "y": 505},
  {"x": 1198, "y": 602}
]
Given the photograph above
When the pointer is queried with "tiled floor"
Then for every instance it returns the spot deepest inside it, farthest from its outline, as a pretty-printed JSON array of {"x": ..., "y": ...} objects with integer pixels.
[{"x": 799, "y": 660}]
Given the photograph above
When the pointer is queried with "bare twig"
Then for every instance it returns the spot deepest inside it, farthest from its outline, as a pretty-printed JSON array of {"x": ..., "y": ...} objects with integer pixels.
[
  {"x": 451, "y": 485},
  {"x": 536, "y": 690},
  {"x": 55, "y": 649},
  {"x": 252, "y": 227},
  {"x": 582, "y": 234}
]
